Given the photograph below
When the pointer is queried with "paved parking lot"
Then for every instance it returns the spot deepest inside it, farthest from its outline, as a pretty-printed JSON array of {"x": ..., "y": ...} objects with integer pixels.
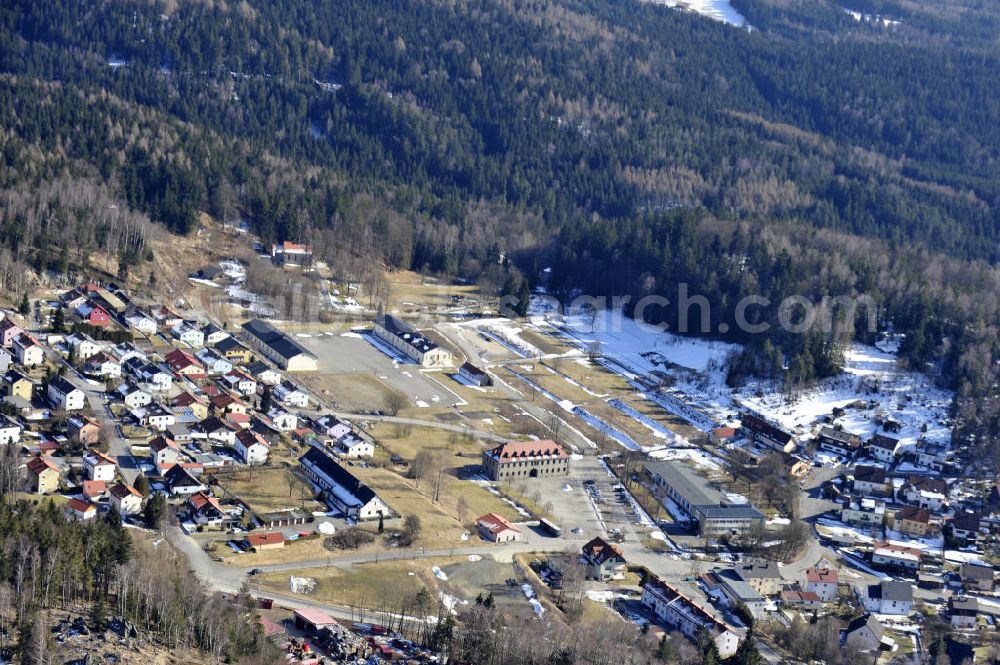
[{"x": 354, "y": 354}]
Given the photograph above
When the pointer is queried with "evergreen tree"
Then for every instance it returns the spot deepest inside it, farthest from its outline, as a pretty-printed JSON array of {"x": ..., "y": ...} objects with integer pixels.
[
  {"x": 142, "y": 485},
  {"x": 25, "y": 307}
]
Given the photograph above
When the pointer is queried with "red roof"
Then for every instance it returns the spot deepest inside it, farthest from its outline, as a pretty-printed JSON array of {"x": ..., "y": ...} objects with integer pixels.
[
  {"x": 248, "y": 437},
  {"x": 724, "y": 432},
  {"x": 161, "y": 443},
  {"x": 179, "y": 359},
  {"x": 39, "y": 465},
  {"x": 600, "y": 550},
  {"x": 256, "y": 539},
  {"x": 80, "y": 506},
  {"x": 201, "y": 500},
  {"x": 92, "y": 488},
  {"x": 496, "y": 524},
  {"x": 825, "y": 575},
  {"x": 121, "y": 491},
  {"x": 522, "y": 449},
  {"x": 187, "y": 399}
]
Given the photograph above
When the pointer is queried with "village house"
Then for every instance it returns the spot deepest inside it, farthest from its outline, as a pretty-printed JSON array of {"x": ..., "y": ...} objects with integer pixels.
[
  {"x": 213, "y": 362},
  {"x": 283, "y": 421},
  {"x": 140, "y": 323},
  {"x": 154, "y": 416},
  {"x": 474, "y": 375},
  {"x": 354, "y": 446},
  {"x": 188, "y": 334},
  {"x": 737, "y": 592},
  {"x": 165, "y": 317},
  {"x": 722, "y": 435},
  {"x": 206, "y": 511},
  {"x": 27, "y": 350},
  {"x": 870, "y": 481},
  {"x": 866, "y": 634},
  {"x": 10, "y": 430},
  {"x": 676, "y": 611},
  {"x": 64, "y": 395},
  {"x": 156, "y": 377},
  {"x": 164, "y": 451},
  {"x": 184, "y": 363},
  {"x": 804, "y": 599},
  {"x": 98, "y": 466},
  {"x": 400, "y": 336},
  {"x": 251, "y": 448},
  {"x": 213, "y": 334},
  {"x": 963, "y": 612},
  {"x": 234, "y": 351},
  {"x": 765, "y": 434},
  {"x": 126, "y": 500},
  {"x": 977, "y": 576},
  {"x": 225, "y": 403},
  {"x": 932, "y": 456},
  {"x": 289, "y": 394},
  {"x": 291, "y": 254},
  {"x": 889, "y": 597},
  {"x": 8, "y": 331},
  {"x": 895, "y": 557},
  {"x": 883, "y": 448},
  {"x": 81, "y": 346},
  {"x": 340, "y": 489},
  {"x": 196, "y": 405},
  {"x": 525, "y": 459},
  {"x": 241, "y": 382},
  {"x": 605, "y": 561},
  {"x": 80, "y": 510},
  {"x": 264, "y": 373},
  {"x": 18, "y": 385},
  {"x": 259, "y": 542},
  {"x": 43, "y": 476},
  {"x": 126, "y": 351},
  {"x": 838, "y": 442},
  {"x": 763, "y": 576},
  {"x": 496, "y": 529},
  {"x": 94, "y": 490},
  {"x": 822, "y": 582},
  {"x": 925, "y": 492},
  {"x": 279, "y": 347},
  {"x": 966, "y": 527},
  {"x": 6, "y": 358},
  {"x": 912, "y": 521},
  {"x": 93, "y": 314},
  {"x": 133, "y": 396},
  {"x": 181, "y": 483},
  {"x": 103, "y": 365},
  {"x": 866, "y": 512}
]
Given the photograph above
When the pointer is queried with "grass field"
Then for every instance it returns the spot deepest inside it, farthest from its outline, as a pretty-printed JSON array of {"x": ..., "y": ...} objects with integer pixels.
[
  {"x": 352, "y": 392},
  {"x": 270, "y": 490}
]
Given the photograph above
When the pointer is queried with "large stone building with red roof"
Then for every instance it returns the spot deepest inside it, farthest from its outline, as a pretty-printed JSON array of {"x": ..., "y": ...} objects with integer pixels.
[{"x": 525, "y": 459}]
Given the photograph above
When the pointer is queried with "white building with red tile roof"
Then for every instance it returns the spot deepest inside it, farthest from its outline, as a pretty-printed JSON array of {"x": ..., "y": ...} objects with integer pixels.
[
  {"x": 496, "y": 529},
  {"x": 525, "y": 459}
]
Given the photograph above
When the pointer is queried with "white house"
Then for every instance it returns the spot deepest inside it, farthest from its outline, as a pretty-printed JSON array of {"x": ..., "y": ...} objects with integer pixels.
[
  {"x": 251, "y": 447},
  {"x": 823, "y": 583},
  {"x": 154, "y": 416},
  {"x": 213, "y": 334},
  {"x": 99, "y": 466},
  {"x": 887, "y": 555},
  {"x": 64, "y": 395},
  {"x": 888, "y": 598},
  {"x": 282, "y": 420},
  {"x": 291, "y": 395},
  {"x": 141, "y": 323},
  {"x": 10, "y": 431},
  {"x": 133, "y": 396},
  {"x": 883, "y": 448},
  {"x": 126, "y": 500},
  {"x": 102, "y": 364},
  {"x": 126, "y": 351},
  {"x": 355, "y": 446},
  {"x": 27, "y": 351},
  {"x": 241, "y": 382},
  {"x": 78, "y": 509},
  {"x": 264, "y": 373},
  {"x": 163, "y": 450},
  {"x": 83, "y": 346},
  {"x": 925, "y": 492},
  {"x": 865, "y": 634},
  {"x": 214, "y": 363},
  {"x": 188, "y": 334}
]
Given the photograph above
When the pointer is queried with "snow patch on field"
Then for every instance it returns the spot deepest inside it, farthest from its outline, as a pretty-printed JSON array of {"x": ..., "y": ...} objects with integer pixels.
[{"x": 301, "y": 584}]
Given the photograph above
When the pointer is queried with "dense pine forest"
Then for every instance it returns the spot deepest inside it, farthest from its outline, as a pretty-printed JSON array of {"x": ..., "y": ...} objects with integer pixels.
[{"x": 627, "y": 146}]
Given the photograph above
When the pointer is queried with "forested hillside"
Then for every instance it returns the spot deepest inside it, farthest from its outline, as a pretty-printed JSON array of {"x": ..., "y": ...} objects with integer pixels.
[{"x": 815, "y": 153}]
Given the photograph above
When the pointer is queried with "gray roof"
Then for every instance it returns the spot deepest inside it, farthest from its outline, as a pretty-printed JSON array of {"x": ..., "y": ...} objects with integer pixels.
[
  {"x": 730, "y": 511},
  {"x": 870, "y": 621},
  {"x": 686, "y": 482},
  {"x": 402, "y": 330},
  {"x": 756, "y": 570},
  {"x": 898, "y": 591},
  {"x": 278, "y": 341}
]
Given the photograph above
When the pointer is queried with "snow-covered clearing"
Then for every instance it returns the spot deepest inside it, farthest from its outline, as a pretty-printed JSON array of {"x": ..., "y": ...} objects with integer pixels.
[{"x": 719, "y": 10}]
